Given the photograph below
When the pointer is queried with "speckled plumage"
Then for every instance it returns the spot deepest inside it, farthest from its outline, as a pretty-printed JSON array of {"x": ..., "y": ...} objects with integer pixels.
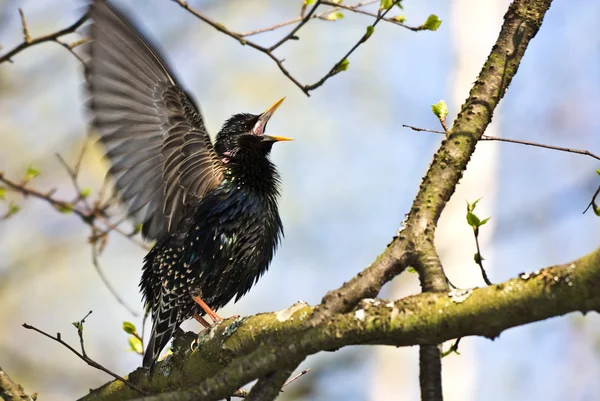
[
  {"x": 212, "y": 210},
  {"x": 225, "y": 248}
]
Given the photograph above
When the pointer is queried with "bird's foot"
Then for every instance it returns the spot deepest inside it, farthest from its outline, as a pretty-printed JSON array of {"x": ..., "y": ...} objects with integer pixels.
[
  {"x": 211, "y": 313},
  {"x": 195, "y": 344},
  {"x": 202, "y": 321}
]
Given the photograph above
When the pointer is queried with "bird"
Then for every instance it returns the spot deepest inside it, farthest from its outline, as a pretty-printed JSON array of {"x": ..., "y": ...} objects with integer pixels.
[{"x": 212, "y": 209}]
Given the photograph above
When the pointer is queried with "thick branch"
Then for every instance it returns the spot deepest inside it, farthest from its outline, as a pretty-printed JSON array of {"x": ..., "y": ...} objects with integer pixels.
[
  {"x": 414, "y": 243},
  {"x": 268, "y": 388},
  {"x": 521, "y": 22},
  {"x": 9, "y": 390},
  {"x": 238, "y": 351}
]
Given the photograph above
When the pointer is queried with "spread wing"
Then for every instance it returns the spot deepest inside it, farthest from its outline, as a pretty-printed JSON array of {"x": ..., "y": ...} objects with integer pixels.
[{"x": 161, "y": 156}]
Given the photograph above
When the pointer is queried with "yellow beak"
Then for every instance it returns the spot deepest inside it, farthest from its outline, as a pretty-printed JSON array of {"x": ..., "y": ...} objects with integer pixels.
[{"x": 266, "y": 116}]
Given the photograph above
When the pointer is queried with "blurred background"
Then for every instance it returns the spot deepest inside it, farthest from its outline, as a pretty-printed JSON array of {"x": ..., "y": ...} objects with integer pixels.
[{"x": 348, "y": 180}]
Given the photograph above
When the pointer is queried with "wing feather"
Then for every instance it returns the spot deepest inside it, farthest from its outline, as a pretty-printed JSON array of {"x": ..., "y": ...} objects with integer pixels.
[{"x": 161, "y": 156}]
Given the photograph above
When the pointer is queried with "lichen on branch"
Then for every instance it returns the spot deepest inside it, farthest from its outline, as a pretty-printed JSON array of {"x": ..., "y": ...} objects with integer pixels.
[{"x": 239, "y": 350}]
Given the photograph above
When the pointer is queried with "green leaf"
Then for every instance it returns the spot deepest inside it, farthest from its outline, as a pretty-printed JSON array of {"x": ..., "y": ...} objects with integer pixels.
[
  {"x": 598, "y": 171},
  {"x": 370, "y": 31},
  {"x": 309, "y": 2},
  {"x": 399, "y": 5},
  {"x": 386, "y": 4},
  {"x": 31, "y": 173},
  {"x": 484, "y": 221},
  {"x": 66, "y": 208},
  {"x": 2, "y": 193},
  {"x": 129, "y": 327},
  {"x": 13, "y": 208},
  {"x": 400, "y": 18},
  {"x": 432, "y": 23},
  {"x": 335, "y": 16},
  {"x": 452, "y": 350},
  {"x": 135, "y": 345},
  {"x": 473, "y": 220},
  {"x": 471, "y": 206},
  {"x": 85, "y": 192},
  {"x": 342, "y": 66},
  {"x": 477, "y": 258},
  {"x": 596, "y": 209},
  {"x": 411, "y": 270},
  {"x": 78, "y": 326},
  {"x": 440, "y": 109}
]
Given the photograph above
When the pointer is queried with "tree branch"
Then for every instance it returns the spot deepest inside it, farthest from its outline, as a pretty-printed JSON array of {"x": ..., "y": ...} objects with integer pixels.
[
  {"x": 269, "y": 387},
  {"x": 301, "y": 22},
  {"x": 355, "y": 8},
  {"x": 83, "y": 354},
  {"x": 11, "y": 391},
  {"x": 414, "y": 243},
  {"x": 337, "y": 68},
  {"x": 584, "y": 152},
  {"x": 239, "y": 350},
  {"x": 53, "y": 37}
]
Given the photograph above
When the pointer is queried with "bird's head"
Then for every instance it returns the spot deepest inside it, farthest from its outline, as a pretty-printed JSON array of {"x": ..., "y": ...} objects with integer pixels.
[{"x": 245, "y": 133}]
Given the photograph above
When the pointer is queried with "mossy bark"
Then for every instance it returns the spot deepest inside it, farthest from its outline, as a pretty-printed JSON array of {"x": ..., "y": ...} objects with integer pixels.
[{"x": 237, "y": 351}]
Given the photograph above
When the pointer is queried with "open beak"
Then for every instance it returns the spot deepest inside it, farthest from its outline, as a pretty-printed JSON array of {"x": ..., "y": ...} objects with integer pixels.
[{"x": 262, "y": 122}]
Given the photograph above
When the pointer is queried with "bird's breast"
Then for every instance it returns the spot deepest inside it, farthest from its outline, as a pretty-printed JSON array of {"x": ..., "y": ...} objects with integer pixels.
[{"x": 231, "y": 242}]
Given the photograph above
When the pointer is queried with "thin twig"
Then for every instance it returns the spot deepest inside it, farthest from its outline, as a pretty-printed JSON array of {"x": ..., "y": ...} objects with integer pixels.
[
  {"x": 71, "y": 46},
  {"x": 58, "y": 204},
  {"x": 73, "y": 175},
  {"x": 83, "y": 355},
  {"x": 593, "y": 202},
  {"x": 355, "y": 8},
  {"x": 299, "y": 375},
  {"x": 26, "y": 34},
  {"x": 320, "y": 15},
  {"x": 221, "y": 28},
  {"x": 47, "y": 38},
  {"x": 453, "y": 348},
  {"x": 88, "y": 217},
  {"x": 115, "y": 227},
  {"x": 336, "y": 68},
  {"x": 517, "y": 141},
  {"x": 240, "y": 37},
  {"x": 292, "y": 34},
  {"x": 113, "y": 291},
  {"x": 479, "y": 258}
]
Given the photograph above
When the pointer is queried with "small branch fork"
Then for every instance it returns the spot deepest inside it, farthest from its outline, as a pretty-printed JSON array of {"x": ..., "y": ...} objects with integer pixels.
[
  {"x": 93, "y": 214},
  {"x": 583, "y": 152},
  {"x": 517, "y": 141},
  {"x": 53, "y": 37},
  {"x": 28, "y": 41},
  {"x": 83, "y": 355},
  {"x": 292, "y": 35}
]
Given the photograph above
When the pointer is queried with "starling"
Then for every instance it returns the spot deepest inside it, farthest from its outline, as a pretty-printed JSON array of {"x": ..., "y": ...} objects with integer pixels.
[{"x": 212, "y": 210}]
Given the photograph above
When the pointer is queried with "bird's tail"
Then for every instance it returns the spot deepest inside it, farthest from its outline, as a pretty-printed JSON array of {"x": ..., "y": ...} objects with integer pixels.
[{"x": 166, "y": 321}]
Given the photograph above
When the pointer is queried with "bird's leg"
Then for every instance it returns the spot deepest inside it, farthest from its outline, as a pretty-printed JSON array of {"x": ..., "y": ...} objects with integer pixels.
[
  {"x": 201, "y": 320},
  {"x": 211, "y": 313}
]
